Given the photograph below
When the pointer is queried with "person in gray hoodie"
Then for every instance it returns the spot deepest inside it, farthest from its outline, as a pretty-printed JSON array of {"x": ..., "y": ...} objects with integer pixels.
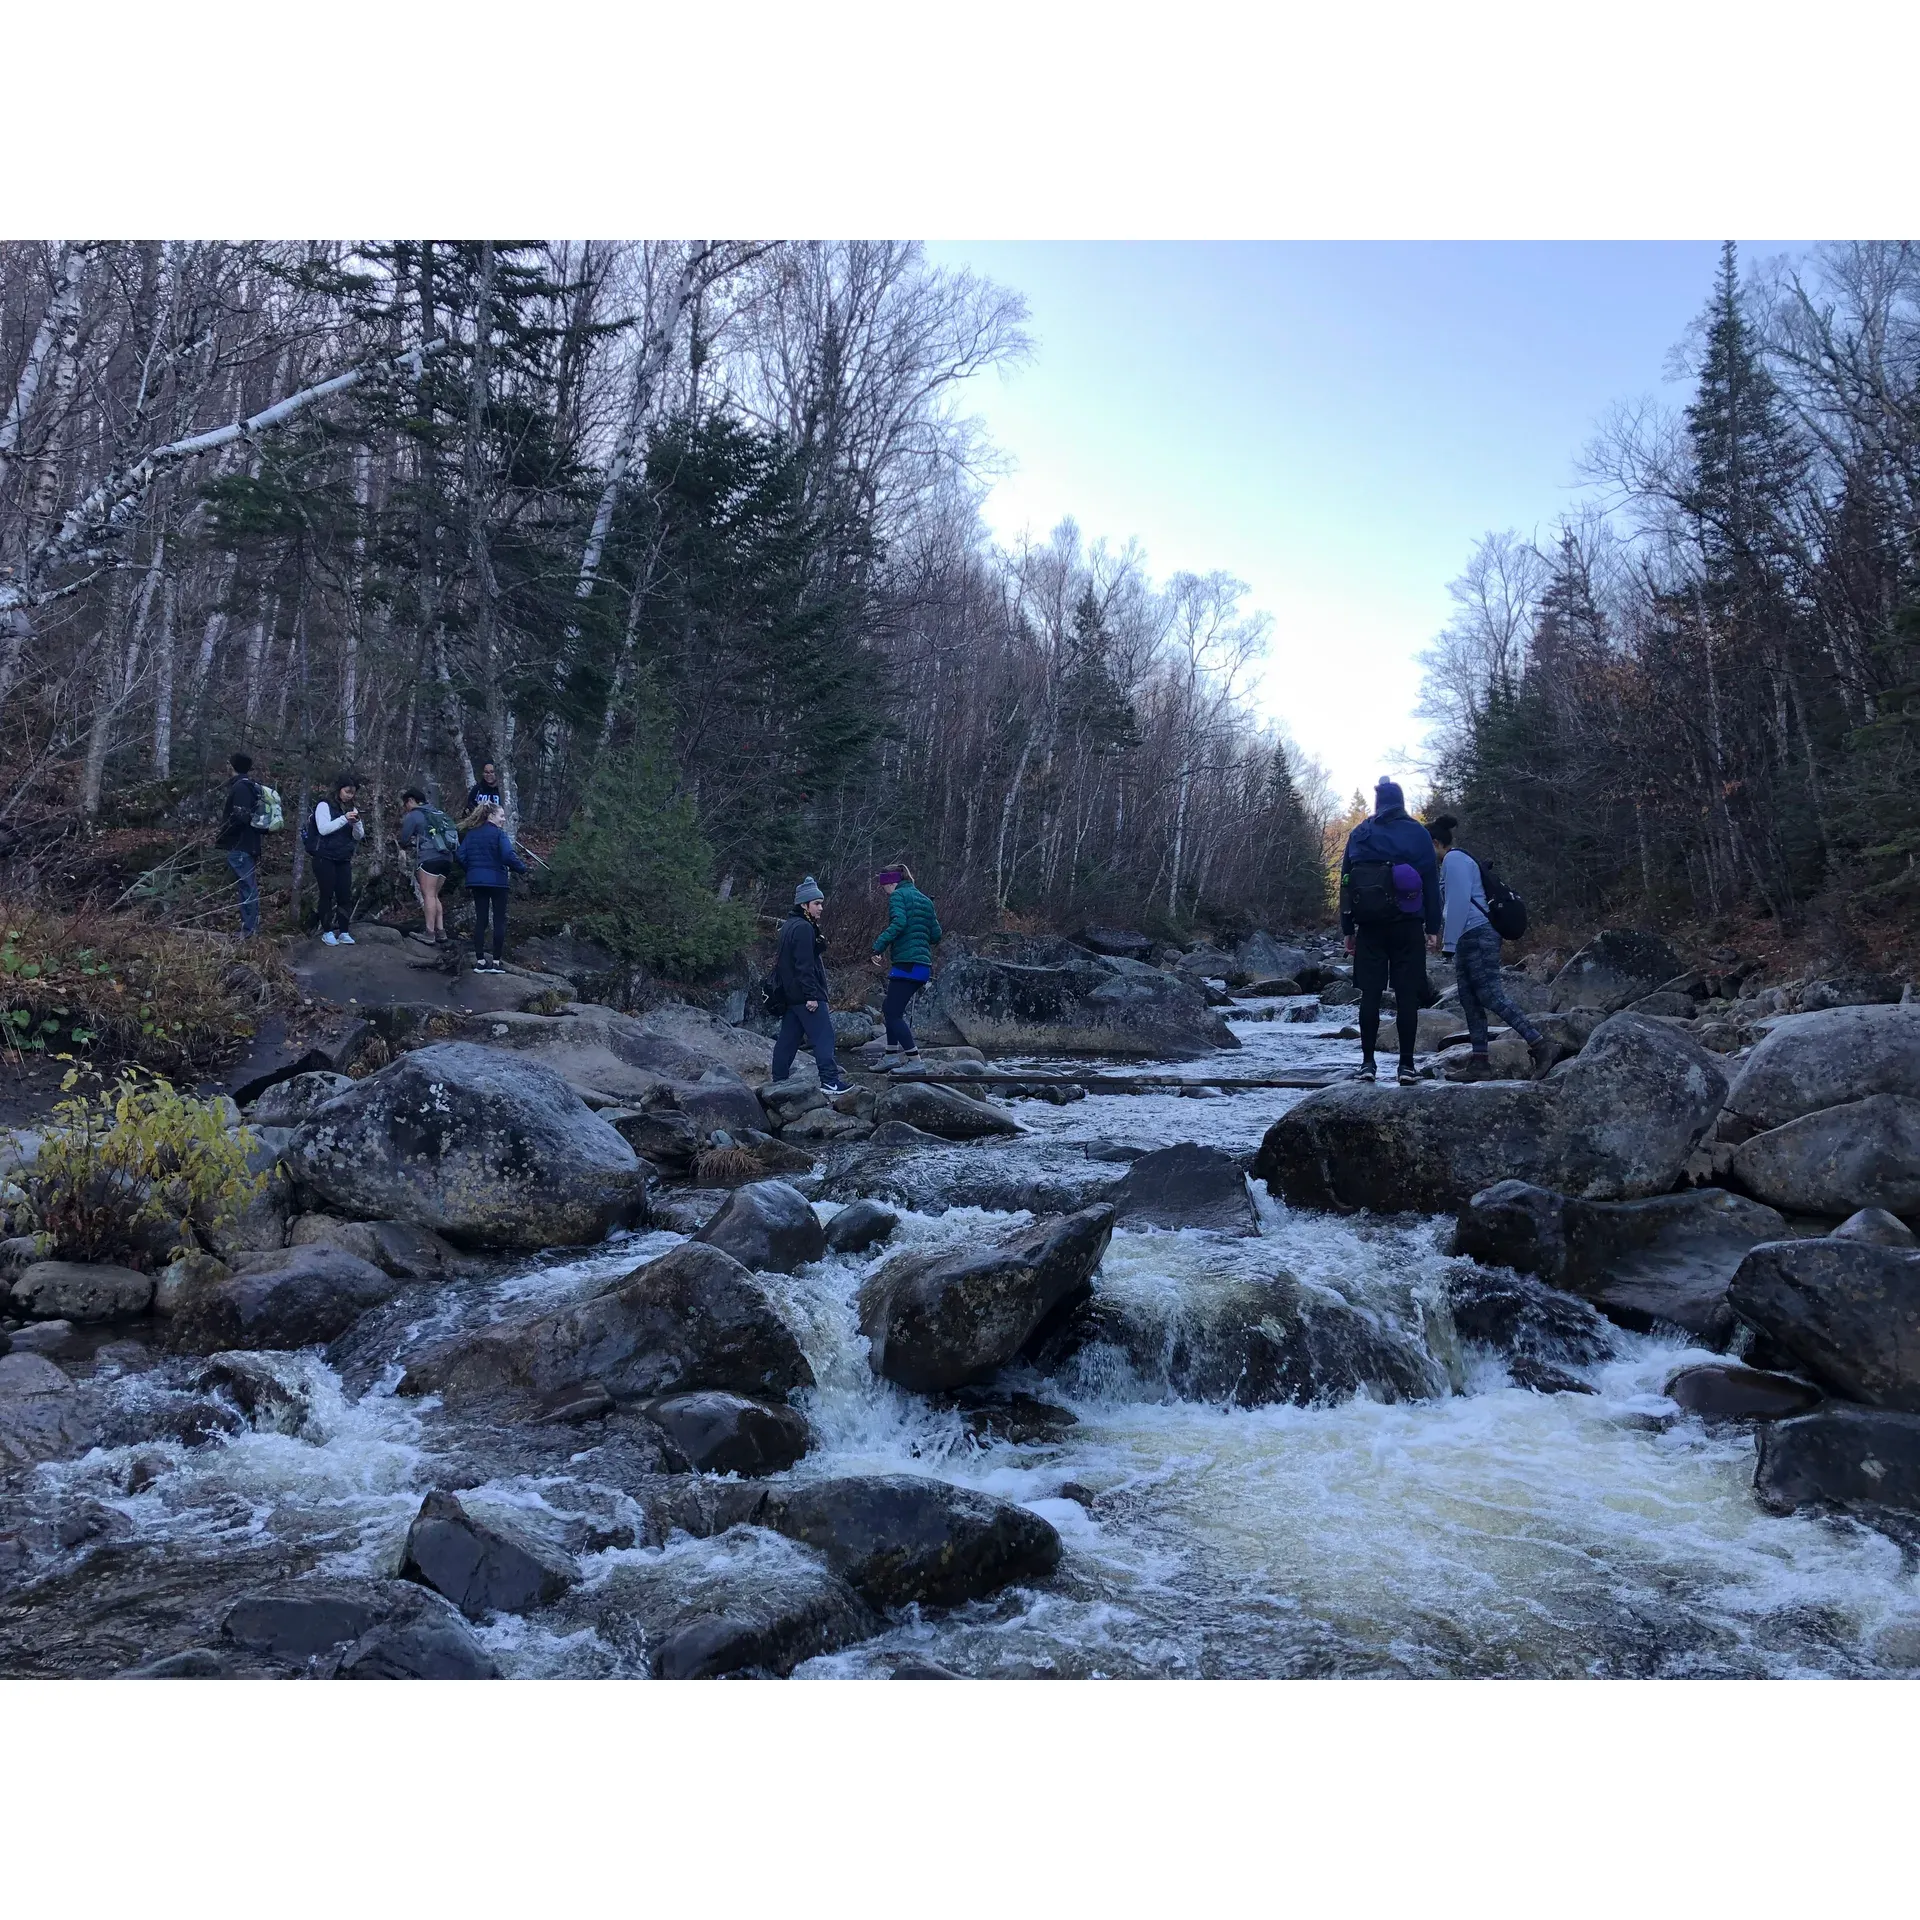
[{"x": 1473, "y": 944}]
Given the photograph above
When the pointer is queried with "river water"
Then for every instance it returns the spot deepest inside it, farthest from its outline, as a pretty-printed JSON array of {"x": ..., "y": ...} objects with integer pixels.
[{"x": 1484, "y": 1531}]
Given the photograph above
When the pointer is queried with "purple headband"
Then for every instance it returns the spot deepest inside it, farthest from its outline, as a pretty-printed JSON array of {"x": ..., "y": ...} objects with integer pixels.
[{"x": 891, "y": 877}]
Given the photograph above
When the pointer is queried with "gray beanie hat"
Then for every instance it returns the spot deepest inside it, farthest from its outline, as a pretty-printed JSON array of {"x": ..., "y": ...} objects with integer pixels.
[{"x": 807, "y": 890}]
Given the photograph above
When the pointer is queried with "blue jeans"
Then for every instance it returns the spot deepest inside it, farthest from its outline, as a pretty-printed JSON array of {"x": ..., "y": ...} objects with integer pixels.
[
  {"x": 893, "y": 1011},
  {"x": 242, "y": 864},
  {"x": 1476, "y": 966},
  {"x": 818, "y": 1029}
]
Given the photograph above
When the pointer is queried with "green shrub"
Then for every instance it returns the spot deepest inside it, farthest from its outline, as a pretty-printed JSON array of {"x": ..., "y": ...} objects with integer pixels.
[
  {"x": 125, "y": 1173},
  {"x": 635, "y": 871}
]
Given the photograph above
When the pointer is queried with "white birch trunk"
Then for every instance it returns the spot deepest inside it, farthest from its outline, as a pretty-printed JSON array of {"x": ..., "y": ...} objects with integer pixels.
[
  {"x": 62, "y": 308},
  {"x": 163, "y": 685}
]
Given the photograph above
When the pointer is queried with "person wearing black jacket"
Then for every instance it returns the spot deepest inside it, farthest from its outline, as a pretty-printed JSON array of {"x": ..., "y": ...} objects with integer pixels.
[
  {"x": 239, "y": 840},
  {"x": 801, "y": 973},
  {"x": 1389, "y": 898}
]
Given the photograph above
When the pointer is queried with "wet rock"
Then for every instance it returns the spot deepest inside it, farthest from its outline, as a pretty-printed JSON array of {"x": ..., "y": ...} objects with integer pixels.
[
  {"x": 486, "y": 1148},
  {"x": 49, "y": 1337},
  {"x": 727, "y": 1433},
  {"x": 1839, "y": 1159},
  {"x": 686, "y": 1209},
  {"x": 41, "y": 1415},
  {"x": 1117, "y": 1152},
  {"x": 773, "y": 1156},
  {"x": 1613, "y": 970},
  {"x": 1732, "y": 1392},
  {"x": 482, "y": 1566},
  {"x": 271, "y": 1395},
  {"x": 406, "y": 1252},
  {"x": 1617, "y": 1122},
  {"x": 294, "y": 1101},
  {"x": 823, "y": 1124},
  {"x": 694, "y": 1319},
  {"x": 1186, "y": 1186},
  {"x": 942, "y": 1111},
  {"x": 720, "y": 1099},
  {"x": 900, "y": 1540},
  {"x": 1666, "y": 1259},
  {"x": 573, "y": 1406},
  {"x": 1542, "y": 1376},
  {"x": 914, "y": 1667},
  {"x": 1847, "y": 1311},
  {"x": 1842, "y": 1456},
  {"x": 663, "y": 1135},
  {"x": 897, "y": 1133},
  {"x": 768, "y": 1227},
  {"x": 430, "y": 1646},
  {"x": 786, "y": 1100},
  {"x": 298, "y": 1297},
  {"x": 993, "y": 1413},
  {"x": 1261, "y": 957},
  {"x": 190, "y": 1663},
  {"x": 1522, "y": 1318},
  {"x": 1115, "y": 942},
  {"x": 1811, "y": 1061},
  {"x": 305, "y": 1620},
  {"x": 1074, "y": 1003},
  {"x": 940, "y": 1320},
  {"x": 183, "y": 1273},
  {"x": 1878, "y": 1227},
  {"x": 79, "y": 1291},
  {"x": 862, "y": 1225}
]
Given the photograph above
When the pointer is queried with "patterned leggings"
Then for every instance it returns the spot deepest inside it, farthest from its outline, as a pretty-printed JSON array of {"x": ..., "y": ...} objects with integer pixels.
[{"x": 1476, "y": 966}]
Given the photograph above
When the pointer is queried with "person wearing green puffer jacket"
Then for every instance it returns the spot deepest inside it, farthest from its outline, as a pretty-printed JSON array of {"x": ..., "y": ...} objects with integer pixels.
[{"x": 905, "y": 948}]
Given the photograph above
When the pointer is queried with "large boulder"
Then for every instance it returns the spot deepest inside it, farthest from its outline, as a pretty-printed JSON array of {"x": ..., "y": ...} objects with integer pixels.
[
  {"x": 1840, "y": 1456},
  {"x": 1846, "y": 1311},
  {"x": 1613, "y": 970},
  {"x": 942, "y": 1111},
  {"x": 1186, "y": 1186},
  {"x": 1261, "y": 957},
  {"x": 693, "y": 1319},
  {"x": 768, "y": 1227},
  {"x": 485, "y": 1148},
  {"x": 297, "y": 1297},
  {"x": 1077, "y": 1003},
  {"x": 1115, "y": 942},
  {"x": 1839, "y": 1159},
  {"x": 939, "y": 1320},
  {"x": 81, "y": 1291},
  {"x": 1810, "y": 1061},
  {"x": 631, "y": 1060},
  {"x": 901, "y": 1540},
  {"x": 1668, "y": 1258},
  {"x": 482, "y": 1566},
  {"x": 1616, "y": 1123}
]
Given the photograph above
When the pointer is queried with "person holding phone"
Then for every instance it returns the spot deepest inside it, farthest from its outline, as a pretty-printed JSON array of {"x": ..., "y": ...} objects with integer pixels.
[{"x": 337, "y": 828}]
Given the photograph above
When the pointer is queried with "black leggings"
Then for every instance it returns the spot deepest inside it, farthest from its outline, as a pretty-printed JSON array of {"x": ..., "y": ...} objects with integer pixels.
[
  {"x": 900, "y": 994},
  {"x": 489, "y": 900},
  {"x": 336, "y": 894},
  {"x": 1396, "y": 953}
]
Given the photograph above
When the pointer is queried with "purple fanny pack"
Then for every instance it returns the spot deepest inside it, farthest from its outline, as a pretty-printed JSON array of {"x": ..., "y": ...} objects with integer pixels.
[{"x": 1407, "y": 890}]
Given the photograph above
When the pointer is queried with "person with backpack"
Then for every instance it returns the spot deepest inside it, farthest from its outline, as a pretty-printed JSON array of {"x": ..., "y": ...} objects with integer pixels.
[
  {"x": 1470, "y": 935},
  {"x": 431, "y": 843},
  {"x": 1389, "y": 900},
  {"x": 489, "y": 859},
  {"x": 330, "y": 835},
  {"x": 239, "y": 839},
  {"x": 905, "y": 948},
  {"x": 800, "y": 984}
]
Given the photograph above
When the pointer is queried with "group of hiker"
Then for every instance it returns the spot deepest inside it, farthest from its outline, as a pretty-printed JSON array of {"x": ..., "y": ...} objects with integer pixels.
[
  {"x": 432, "y": 844},
  {"x": 1405, "y": 890}
]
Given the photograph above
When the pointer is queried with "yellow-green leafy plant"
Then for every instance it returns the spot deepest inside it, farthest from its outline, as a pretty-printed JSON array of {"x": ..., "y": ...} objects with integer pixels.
[{"x": 126, "y": 1173}]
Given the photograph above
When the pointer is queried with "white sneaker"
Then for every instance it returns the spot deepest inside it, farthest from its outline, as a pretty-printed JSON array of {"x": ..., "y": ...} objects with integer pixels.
[
  {"x": 329, "y": 939},
  {"x": 344, "y": 940}
]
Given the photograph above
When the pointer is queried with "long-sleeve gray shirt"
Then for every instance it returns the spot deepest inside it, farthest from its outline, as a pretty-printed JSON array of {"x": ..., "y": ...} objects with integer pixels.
[{"x": 1463, "y": 894}]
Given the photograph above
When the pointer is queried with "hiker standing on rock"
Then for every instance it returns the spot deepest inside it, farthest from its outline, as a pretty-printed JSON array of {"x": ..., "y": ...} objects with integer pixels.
[
  {"x": 1389, "y": 896},
  {"x": 489, "y": 859},
  {"x": 239, "y": 840},
  {"x": 335, "y": 829},
  {"x": 800, "y": 975},
  {"x": 431, "y": 844},
  {"x": 1474, "y": 944},
  {"x": 905, "y": 948}
]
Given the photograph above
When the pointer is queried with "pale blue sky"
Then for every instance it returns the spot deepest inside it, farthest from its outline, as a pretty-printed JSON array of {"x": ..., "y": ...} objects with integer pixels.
[{"x": 1333, "y": 423}]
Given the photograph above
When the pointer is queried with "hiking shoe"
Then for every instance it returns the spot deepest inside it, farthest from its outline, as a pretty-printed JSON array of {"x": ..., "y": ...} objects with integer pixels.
[
  {"x": 1369, "y": 1070},
  {"x": 343, "y": 940},
  {"x": 1544, "y": 1053},
  {"x": 836, "y": 1086},
  {"x": 329, "y": 939},
  {"x": 1408, "y": 1077},
  {"x": 1476, "y": 1066}
]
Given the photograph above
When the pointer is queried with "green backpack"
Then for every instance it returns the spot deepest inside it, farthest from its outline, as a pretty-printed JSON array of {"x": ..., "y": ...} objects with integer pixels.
[
  {"x": 442, "y": 835},
  {"x": 268, "y": 814}
]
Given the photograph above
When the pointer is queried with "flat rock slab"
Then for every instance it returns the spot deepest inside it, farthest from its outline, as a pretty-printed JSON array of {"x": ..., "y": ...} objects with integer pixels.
[
  {"x": 1840, "y": 1456},
  {"x": 376, "y": 972},
  {"x": 1741, "y": 1393},
  {"x": 81, "y": 1292}
]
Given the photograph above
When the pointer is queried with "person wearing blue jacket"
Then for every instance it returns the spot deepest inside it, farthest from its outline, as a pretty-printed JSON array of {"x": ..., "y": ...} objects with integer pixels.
[
  {"x": 800, "y": 971},
  {"x": 489, "y": 861},
  {"x": 1389, "y": 897}
]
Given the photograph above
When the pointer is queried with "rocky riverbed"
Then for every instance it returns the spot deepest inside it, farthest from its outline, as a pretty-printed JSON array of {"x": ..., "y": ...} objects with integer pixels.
[{"x": 1277, "y": 1441}]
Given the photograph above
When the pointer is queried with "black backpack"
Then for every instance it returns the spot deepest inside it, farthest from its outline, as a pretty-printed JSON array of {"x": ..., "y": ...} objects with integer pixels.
[
  {"x": 1506, "y": 911},
  {"x": 773, "y": 998},
  {"x": 1371, "y": 896}
]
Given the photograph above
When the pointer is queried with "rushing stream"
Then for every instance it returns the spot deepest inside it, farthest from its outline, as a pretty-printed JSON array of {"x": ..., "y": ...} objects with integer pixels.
[{"x": 1484, "y": 1531}]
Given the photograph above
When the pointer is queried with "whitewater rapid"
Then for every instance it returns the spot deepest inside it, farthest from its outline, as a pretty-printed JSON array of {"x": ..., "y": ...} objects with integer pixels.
[{"x": 1485, "y": 1531}]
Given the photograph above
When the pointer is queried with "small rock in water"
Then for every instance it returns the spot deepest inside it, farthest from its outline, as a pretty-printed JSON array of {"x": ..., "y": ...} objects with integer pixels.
[
  {"x": 1186, "y": 1186},
  {"x": 1541, "y": 1376},
  {"x": 44, "y": 1337},
  {"x": 428, "y": 1648},
  {"x": 768, "y": 1227},
  {"x": 728, "y": 1433},
  {"x": 1741, "y": 1393},
  {"x": 573, "y": 1404},
  {"x": 864, "y": 1224},
  {"x": 482, "y": 1567},
  {"x": 300, "y": 1622}
]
